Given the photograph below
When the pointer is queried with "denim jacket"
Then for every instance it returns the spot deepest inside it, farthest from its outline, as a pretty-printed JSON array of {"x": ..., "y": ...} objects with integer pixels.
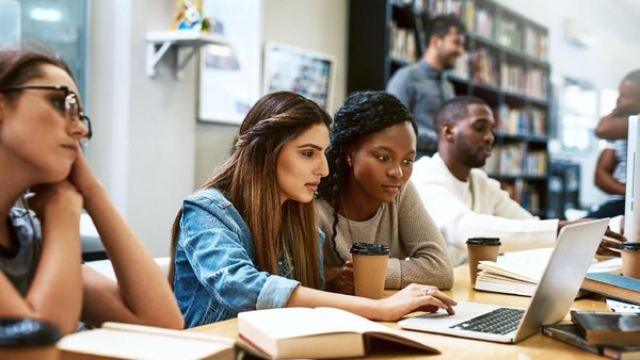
[{"x": 215, "y": 272}]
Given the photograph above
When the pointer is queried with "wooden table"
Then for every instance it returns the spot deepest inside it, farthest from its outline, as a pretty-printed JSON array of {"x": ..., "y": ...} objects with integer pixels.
[{"x": 535, "y": 347}]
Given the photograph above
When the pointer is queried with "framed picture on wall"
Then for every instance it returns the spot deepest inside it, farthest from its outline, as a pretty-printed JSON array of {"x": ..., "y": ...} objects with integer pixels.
[
  {"x": 230, "y": 79},
  {"x": 307, "y": 73}
]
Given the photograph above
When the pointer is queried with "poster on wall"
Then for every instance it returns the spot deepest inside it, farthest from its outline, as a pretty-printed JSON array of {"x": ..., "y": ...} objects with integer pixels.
[
  {"x": 230, "y": 79},
  {"x": 304, "y": 72}
]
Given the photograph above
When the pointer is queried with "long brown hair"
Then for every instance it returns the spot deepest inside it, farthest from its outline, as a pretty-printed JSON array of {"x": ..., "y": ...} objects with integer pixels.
[{"x": 248, "y": 179}]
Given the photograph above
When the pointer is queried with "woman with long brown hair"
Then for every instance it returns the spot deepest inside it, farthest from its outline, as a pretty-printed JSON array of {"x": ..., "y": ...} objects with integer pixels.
[{"x": 248, "y": 239}]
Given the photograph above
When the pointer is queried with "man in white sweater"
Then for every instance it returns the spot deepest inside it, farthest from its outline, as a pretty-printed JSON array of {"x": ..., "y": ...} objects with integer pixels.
[{"x": 462, "y": 200}]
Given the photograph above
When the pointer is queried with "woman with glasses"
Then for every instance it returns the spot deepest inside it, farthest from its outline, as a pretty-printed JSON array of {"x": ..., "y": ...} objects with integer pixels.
[
  {"x": 248, "y": 239},
  {"x": 41, "y": 274}
]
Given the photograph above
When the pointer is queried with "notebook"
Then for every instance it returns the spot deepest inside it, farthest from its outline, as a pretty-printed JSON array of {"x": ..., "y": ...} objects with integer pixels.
[{"x": 560, "y": 282}]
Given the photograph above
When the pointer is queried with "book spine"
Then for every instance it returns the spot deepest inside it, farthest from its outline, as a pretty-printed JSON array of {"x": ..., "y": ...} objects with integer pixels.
[
  {"x": 579, "y": 326},
  {"x": 569, "y": 339},
  {"x": 611, "y": 291}
]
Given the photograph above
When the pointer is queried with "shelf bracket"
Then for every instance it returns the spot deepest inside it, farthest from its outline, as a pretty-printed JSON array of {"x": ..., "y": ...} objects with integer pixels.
[{"x": 154, "y": 57}]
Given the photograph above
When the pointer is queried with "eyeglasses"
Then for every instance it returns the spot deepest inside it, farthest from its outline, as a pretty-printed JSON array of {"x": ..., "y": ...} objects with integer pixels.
[{"x": 71, "y": 105}]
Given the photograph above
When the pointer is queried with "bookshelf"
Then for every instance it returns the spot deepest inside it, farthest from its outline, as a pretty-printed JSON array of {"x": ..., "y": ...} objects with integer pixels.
[{"x": 505, "y": 65}]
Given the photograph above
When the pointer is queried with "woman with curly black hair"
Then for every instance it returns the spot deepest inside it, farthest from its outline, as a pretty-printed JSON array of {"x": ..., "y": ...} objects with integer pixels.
[{"x": 368, "y": 197}]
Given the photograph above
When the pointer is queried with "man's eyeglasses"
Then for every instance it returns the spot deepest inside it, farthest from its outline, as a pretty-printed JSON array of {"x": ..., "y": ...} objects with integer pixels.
[{"x": 71, "y": 105}]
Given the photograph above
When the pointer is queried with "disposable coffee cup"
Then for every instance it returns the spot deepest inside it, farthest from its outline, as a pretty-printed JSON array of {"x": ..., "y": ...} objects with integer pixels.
[
  {"x": 631, "y": 259},
  {"x": 481, "y": 249},
  {"x": 369, "y": 268},
  {"x": 28, "y": 339}
]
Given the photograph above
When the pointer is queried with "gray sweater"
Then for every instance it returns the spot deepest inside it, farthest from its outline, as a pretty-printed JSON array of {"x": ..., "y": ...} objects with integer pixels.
[{"x": 418, "y": 251}]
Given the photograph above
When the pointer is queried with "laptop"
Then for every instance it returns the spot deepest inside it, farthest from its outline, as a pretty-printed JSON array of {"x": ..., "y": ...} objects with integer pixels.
[{"x": 559, "y": 285}]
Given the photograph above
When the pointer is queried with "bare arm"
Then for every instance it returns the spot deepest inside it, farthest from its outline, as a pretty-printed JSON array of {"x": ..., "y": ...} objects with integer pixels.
[
  {"x": 605, "y": 168},
  {"x": 392, "y": 308},
  {"x": 55, "y": 295},
  {"x": 613, "y": 126},
  {"x": 142, "y": 294}
]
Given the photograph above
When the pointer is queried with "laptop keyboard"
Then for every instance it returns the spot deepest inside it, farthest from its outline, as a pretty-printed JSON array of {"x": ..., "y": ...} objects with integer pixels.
[{"x": 500, "y": 321}]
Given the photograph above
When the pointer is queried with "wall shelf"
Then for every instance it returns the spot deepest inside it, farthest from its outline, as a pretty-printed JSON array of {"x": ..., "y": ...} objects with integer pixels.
[{"x": 160, "y": 42}]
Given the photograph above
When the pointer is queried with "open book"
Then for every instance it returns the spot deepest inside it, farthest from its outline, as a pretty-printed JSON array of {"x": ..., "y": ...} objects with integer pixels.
[
  {"x": 518, "y": 273},
  {"x": 124, "y": 341},
  {"x": 319, "y": 333}
]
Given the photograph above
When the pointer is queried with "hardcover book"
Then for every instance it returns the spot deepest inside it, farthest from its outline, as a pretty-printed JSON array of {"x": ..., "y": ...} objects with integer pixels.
[
  {"x": 319, "y": 333},
  {"x": 608, "y": 328},
  {"x": 614, "y": 286},
  {"x": 125, "y": 341},
  {"x": 569, "y": 334}
]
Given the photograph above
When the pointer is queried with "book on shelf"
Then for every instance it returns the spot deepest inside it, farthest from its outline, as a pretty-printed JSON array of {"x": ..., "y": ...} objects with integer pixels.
[
  {"x": 569, "y": 333},
  {"x": 513, "y": 78},
  {"x": 521, "y": 121},
  {"x": 535, "y": 44},
  {"x": 319, "y": 333},
  {"x": 614, "y": 286},
  {"x": 608, "y": 328},
  {"x": 484, "y": 65},
  {"x": 484, "y": 23},
  {"x": 519, "y": 272},
  {"x": 463, "y": 9},
  {"x": 402, "y": 44},
  {"x": 509, "y": 33},
  {"x": 126, "y": 341}
]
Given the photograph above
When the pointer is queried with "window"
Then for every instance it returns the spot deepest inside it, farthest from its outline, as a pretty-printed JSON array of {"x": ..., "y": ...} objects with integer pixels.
[
  {"x": 61, "y": 25},
  {"x": 578, "y": 115}
]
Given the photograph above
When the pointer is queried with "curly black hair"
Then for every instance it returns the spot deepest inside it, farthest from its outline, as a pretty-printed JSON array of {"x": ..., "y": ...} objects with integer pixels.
[{"x": 362, "y": 114}]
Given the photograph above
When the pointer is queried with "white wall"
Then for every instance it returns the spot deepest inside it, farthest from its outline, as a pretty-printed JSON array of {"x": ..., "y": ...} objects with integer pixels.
[
  {"x": 144, "y": 143},
  {"x": 615, "y": 30},
  {"x": 318, "y": 25},
  {"x": 148, "y": 149}
]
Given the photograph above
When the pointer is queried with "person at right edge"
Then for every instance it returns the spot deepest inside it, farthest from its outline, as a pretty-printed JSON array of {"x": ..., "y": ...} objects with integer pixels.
[
  {"x": 611, "y": 169},
  {"x": 421, "y": 86}
]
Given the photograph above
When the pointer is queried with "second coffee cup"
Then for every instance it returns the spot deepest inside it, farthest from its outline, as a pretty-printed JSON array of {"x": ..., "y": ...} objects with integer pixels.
[
  {"x": 369, "y": 269},
  {"x": 631, "y": 259},
  {"x": 480, "y": 249}
]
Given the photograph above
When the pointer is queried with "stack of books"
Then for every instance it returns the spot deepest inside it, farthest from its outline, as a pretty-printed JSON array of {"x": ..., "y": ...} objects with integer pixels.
[
  {"x": 518, "y": 273},
  {"x": 614, "y": 335}
]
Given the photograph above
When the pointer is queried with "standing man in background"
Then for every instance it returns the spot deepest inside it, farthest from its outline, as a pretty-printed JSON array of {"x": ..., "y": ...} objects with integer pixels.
[{"x": 421, "y": 86}]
